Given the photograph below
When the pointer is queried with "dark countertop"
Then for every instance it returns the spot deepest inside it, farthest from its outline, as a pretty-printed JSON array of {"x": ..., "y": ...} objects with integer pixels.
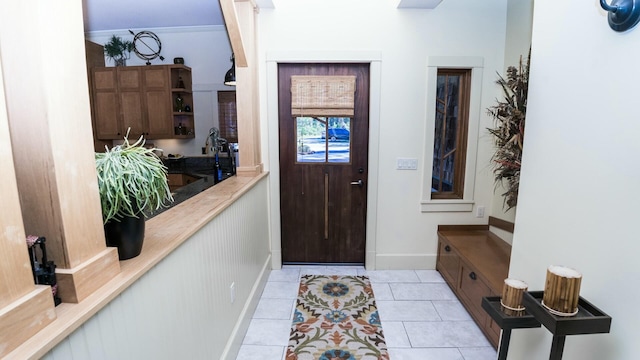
[{"x": 201, "y": 167}]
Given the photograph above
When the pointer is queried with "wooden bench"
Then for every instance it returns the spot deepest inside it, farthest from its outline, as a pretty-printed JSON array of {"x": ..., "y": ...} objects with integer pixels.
[{"x": 474, "y": 262}]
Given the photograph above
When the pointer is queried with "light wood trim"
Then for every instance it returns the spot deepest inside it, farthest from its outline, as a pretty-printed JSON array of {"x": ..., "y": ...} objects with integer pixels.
[
  {"x": 233, "y": 29},
  {"x": 247, "y": 96},
  {"x": 48, "y": 112},
  {"x": 24, "y": 307},
  {"x": 76, "y": 284},
  {"x": 15, "y": 272},
  {"x": 249, "y": 170},
  {"x": 25, "y": 317},
  {"x": 501, "y": 224},
  {"x": 162, "y": 235}
]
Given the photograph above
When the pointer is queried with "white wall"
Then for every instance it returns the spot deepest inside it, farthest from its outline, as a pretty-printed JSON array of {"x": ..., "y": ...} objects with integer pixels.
[
  {"x": 580, "y": 174},
  {"x": 405, "y": 38},
  {"x": 181, "y": 308},
  {"x": 206, "y": 50},
  {"x": 518, "y": 41}
]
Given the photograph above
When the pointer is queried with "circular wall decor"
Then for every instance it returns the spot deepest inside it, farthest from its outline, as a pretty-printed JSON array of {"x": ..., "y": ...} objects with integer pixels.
[{"x": 147, "y": 46}]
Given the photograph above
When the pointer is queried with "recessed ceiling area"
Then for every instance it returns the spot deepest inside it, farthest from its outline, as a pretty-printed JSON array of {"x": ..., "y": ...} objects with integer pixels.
[{"x": 102, "y": 15}]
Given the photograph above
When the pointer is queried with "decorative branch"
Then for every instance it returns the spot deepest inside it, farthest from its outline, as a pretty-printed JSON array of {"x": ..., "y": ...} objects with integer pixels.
[{"x": 509, "y": 116}]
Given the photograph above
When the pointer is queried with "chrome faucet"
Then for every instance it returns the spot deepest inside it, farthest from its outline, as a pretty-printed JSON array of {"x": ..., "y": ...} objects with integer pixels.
[{"x": 215, "y": 144}]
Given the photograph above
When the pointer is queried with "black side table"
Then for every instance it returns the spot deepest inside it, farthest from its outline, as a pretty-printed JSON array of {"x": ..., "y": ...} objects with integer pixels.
[
  {"x": 588, "y": 320},
  {"x": 491, "y": 304}
]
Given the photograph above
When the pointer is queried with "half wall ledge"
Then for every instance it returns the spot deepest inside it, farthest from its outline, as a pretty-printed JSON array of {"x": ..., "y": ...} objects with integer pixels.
[{"x": 163, "y": 236}]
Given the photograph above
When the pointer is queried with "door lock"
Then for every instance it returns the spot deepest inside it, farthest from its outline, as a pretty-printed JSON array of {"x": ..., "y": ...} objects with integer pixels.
[{"x": 359, "y": 183}]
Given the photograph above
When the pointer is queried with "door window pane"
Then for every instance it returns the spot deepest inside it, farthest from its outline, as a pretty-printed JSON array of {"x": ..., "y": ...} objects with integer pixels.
[{"x": 323, "y": 139}]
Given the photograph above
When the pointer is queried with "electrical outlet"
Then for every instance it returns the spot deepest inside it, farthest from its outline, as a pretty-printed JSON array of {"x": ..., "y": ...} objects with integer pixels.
[
  {"x": 406, "y": 164},
  {"x": 232, "y": 288},
  {"x": 480, "y": 212}
]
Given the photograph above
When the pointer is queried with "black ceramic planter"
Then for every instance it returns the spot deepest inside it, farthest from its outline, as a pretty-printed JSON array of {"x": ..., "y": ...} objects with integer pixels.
[{"x": 127, "y": 235}]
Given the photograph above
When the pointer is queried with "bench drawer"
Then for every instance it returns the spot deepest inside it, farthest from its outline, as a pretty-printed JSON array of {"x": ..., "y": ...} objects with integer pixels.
[{"x": 448, "y": 262}]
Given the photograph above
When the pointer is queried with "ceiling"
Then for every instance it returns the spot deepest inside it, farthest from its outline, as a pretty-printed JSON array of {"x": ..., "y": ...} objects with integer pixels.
[{"x": 102, "y": 15}]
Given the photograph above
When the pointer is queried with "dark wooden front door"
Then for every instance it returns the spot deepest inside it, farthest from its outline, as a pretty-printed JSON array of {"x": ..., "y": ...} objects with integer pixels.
[{"x": 323, "y": 173}]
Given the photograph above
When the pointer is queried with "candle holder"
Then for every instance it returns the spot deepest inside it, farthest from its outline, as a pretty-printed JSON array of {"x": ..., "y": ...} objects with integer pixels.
[{"x": 522, "y": 320}]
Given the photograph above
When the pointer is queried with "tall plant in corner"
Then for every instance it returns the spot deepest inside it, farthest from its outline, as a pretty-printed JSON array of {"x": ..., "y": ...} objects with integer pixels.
[{"x": 508, "y": 134}]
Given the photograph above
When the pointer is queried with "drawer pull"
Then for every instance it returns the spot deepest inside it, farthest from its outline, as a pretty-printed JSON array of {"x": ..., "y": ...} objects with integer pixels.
[
  {"x": 472, "y": 275},
  {"x": 447, "y": 248}
]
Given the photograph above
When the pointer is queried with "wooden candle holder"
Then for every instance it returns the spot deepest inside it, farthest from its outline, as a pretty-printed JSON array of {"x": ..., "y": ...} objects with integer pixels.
[
  {"x": 512, "y": 292},
  {"x": 562, "y": 291}
]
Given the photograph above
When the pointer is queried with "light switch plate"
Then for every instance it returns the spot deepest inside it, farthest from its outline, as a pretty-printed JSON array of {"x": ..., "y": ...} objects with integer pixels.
[{"x": 406, "y": 164}]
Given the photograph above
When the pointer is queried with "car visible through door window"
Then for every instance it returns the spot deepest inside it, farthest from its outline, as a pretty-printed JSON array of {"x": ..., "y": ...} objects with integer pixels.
[
  {"x": 323, "y": 139},
  {"x": 336, "y": 134}
]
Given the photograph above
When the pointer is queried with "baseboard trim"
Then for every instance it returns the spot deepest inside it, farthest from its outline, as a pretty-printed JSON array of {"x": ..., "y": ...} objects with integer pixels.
[
  {"x": 406, "y": 261},
  {"x": 232, "y": 348},
  {"x": 276, "y": 259}
]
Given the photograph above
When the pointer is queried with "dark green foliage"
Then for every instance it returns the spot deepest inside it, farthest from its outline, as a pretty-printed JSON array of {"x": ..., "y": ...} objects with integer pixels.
[{"x": 117, "y": 49}]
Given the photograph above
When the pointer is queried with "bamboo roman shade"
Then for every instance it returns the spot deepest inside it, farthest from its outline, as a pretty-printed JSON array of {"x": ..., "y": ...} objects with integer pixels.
[{"x": 322, "y": 95}]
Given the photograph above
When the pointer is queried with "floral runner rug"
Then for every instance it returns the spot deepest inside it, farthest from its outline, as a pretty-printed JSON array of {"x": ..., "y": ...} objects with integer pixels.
[{"x": 336, "y": 318}]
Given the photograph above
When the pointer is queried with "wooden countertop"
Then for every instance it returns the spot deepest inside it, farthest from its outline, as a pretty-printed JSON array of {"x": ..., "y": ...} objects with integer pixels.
[{"x": 163, "y": 234}]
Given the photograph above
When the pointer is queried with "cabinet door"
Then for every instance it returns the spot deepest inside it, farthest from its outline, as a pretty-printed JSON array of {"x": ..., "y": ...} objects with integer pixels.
[
  {"x": 131, "y": 101},
  {"x": 448, "y": 263},
  {"x": 159, "y": 115},
  {"x": 473, "y": 289},
  {"x": 106, "y": 104},
  {"x": 132, "y": 115},
  {"x": 158, "y": 103}
]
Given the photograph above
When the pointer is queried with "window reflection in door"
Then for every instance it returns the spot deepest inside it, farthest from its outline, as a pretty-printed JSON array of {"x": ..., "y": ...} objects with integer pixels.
[{"x": 323, "y": 139}]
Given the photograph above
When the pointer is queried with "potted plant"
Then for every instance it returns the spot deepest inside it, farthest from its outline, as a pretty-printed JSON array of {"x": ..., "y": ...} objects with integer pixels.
[
  {"x": 132, "y": 182},
  {"x": 118, "y": 50}
]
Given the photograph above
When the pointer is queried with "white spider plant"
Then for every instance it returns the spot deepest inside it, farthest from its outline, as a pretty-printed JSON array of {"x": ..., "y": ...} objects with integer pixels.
[{"x": 131, "y": 179}]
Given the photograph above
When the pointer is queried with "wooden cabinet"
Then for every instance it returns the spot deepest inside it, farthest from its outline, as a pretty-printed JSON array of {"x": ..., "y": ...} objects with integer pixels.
[
  {"x": 474, "y": 262},
  {"x": 157, "y": 85},
  {"x": 141, "y": 98}
]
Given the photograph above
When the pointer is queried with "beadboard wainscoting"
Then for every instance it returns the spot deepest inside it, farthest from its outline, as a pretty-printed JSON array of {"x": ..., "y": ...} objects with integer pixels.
[{"x": 182, "y": 308}]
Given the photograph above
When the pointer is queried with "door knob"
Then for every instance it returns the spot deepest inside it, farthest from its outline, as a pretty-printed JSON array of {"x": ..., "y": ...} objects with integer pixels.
[{"x": 359, "y": 183}]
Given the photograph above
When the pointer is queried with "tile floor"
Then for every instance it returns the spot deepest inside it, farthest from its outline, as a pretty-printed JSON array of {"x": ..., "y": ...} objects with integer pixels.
[{"x": 421, "y": 317}]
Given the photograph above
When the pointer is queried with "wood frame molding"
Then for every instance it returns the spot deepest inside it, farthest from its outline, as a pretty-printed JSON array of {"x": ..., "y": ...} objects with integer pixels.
[
  {"x": 232, "y": 22},
  {"x": 239, "y": 17},
  {"x": 24, "y": 307},
  {"x": 25, "y": 317}
]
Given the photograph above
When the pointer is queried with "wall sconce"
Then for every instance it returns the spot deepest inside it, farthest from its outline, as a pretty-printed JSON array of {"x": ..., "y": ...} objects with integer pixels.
[
  {"x": 623, "y": 14},
  {"x": 230, "y": 76}
]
